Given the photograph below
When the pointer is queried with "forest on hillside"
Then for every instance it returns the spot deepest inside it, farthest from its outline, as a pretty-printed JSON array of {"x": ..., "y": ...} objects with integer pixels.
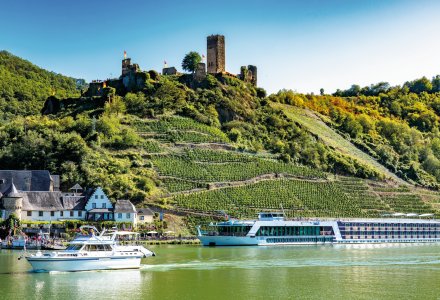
[{"x": 112, "y": 143}]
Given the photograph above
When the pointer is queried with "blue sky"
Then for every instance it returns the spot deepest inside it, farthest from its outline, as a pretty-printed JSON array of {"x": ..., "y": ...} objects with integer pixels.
[{"x": 299, "y": 45}]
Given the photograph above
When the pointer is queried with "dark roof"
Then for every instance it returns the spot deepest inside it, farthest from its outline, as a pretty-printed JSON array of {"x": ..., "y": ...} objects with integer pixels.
[
  {"x": 76, "y": 202},
  {"x": 47, "y": 201},
  {"x": 12, "y": 192},
  {"x": 52, "y": 201},
  {"x": 145, "y": 211},
  {"x": 124, "y": 206},
  {"x": 25, "y": 180}
]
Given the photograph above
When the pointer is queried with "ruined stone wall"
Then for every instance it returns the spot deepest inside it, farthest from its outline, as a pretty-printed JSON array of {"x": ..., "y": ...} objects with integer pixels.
[
  {"x": 126, "y": 64},
  {"x": 216, "y": 54},
  {"x": 249, "y": 74},
  {"x": 169, "y": 71},
  {"x": 200, "y": 73}
]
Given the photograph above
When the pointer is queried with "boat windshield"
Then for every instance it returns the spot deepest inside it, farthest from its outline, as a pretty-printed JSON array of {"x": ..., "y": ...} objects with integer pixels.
[{"x": 73, "y": 247}]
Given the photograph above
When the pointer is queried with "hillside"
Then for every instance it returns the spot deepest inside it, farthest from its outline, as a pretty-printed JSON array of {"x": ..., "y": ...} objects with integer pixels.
[
  {"x": 24, "y": 87},
  {"x": 222, "y": 145},
  {"x": 312, "y": 122}
]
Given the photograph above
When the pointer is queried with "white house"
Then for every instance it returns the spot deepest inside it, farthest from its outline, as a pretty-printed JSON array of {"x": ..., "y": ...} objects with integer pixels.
[
  {"x": 92, "y": 205},
  {"x": 99, "y": 207},
  {"x": 145, "y": 215},
  {"x": 125, "y": 212}
]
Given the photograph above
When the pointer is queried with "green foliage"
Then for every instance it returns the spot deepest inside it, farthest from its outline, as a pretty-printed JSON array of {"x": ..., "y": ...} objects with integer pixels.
[
  {"x": 190, "y": 61},
  {"x": 175, "y": 136},
  {"x": 24, "y": 87}
]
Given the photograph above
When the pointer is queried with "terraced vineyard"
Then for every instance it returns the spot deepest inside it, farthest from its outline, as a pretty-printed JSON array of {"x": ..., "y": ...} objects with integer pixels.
[
  {"x": 228, "y": 171},
  {"x": 179, "y": 129},
  {"x": 199, "y": 178},
  {"x": 298, "y": 197}
]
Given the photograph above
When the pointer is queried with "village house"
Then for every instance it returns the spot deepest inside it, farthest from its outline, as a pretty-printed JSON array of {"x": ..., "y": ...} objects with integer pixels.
[
  {"x": 53, "y": 205},
  {"x": 145, "y": 215}
]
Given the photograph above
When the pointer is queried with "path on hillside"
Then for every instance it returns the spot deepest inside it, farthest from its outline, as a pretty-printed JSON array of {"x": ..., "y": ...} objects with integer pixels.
[
  {"x": 239, "y": 183},
  {"x": 315, "y": 125}
]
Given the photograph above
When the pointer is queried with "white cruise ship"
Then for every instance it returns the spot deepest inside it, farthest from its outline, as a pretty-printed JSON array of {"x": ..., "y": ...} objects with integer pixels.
[
  {"x": 274, "y": 229},
  {"x": 96, "y": 251}
]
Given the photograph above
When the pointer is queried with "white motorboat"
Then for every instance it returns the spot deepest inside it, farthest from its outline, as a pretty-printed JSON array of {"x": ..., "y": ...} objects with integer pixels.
[{"x": 96, "y": 251}]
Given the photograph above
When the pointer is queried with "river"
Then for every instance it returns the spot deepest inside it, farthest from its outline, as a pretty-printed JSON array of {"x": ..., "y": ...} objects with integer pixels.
[{"x": 401, "y": 271}]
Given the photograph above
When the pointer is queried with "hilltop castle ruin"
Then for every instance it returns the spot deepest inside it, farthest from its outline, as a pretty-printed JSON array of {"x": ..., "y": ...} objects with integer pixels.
[
  {"x": 216, "y": 63},
  {"x": 132, "y": 79}
]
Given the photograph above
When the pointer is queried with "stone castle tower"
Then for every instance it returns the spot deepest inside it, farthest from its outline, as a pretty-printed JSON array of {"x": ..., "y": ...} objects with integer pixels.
[
  {"x": 126, "y": 64},
  {"x": 12, "y": 202},
  {"x": 216, "y": 54}
]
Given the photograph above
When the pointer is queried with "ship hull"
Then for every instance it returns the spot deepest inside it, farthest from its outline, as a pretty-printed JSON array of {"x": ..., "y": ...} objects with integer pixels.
[
  {"x": 45, "y": 264},
  {"x": 228, "y": 241}
]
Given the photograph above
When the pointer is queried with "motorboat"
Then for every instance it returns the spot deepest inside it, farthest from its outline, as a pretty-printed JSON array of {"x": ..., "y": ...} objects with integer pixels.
[{"x": 93, "y": 251}]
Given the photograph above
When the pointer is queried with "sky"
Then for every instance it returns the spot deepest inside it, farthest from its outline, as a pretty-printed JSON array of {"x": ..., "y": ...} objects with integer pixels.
[{"x": 299, "y": 45}]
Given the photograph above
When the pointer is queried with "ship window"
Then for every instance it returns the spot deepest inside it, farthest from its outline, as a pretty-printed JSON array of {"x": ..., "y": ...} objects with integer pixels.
[
  {"x": 91, "y": 248},
  {"x": 73, "y": 247}
]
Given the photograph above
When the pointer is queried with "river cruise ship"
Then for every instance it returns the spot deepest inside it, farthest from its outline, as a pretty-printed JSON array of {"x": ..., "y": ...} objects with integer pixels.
[
  {"x": 94, "y": 251},
  {"x": 274, "y": 229}
]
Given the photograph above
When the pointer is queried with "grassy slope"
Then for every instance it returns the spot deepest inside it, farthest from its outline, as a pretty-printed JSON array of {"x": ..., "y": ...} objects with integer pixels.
[{"x": 315, "y": 125}]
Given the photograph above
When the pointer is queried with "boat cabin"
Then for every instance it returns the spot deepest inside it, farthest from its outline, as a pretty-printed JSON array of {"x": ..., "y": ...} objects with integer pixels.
[{"x": 270, "y": 216}]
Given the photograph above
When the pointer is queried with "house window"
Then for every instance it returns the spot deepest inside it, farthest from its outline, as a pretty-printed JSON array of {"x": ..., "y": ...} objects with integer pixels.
[
  {"x": 102, "y": 196},
  {"x": 110, "y": 216},
  {"x": 29, "y": 213},
  {"x": 128, "y": 215},
  {"x": 61, "y": 213},
  {"x": 52, "y": 214},
  {"x": 80, "y": 213},
  {"x": 71, "y": 213},
  {"x": 40, "y": 213},
  {"x": 142, "y": 218},
  {"x": 104, "y": 205},
  {"x": 105, "y": 216},
  {"x": 93, "y": 205},
  {"x": 96, "y": 196},
  {"x": 119, "y": 216}
]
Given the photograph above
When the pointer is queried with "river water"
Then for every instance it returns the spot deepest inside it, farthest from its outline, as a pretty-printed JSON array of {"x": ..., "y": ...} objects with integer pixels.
[{"x": 402, "y": 271}]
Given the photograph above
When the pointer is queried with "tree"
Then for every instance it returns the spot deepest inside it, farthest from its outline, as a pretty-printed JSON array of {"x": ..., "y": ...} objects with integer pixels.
[
  {"x": 321, "y": 91},
  {"x": 190, "y": 61}
]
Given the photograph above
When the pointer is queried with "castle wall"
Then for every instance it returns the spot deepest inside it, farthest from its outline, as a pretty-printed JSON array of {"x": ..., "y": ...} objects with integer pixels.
[
  {"x": 200, "y": 73},
  {"x": 169, "y": 71}
]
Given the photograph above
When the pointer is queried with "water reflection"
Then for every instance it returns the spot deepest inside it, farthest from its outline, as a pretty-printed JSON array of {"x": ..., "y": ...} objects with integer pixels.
[{"x": 180, "y": 272}]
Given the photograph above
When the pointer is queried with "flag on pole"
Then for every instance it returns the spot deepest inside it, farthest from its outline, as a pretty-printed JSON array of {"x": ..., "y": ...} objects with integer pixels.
[
  {"x": 165, "y": 63},
  {"x": 125, "y": 54}
]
